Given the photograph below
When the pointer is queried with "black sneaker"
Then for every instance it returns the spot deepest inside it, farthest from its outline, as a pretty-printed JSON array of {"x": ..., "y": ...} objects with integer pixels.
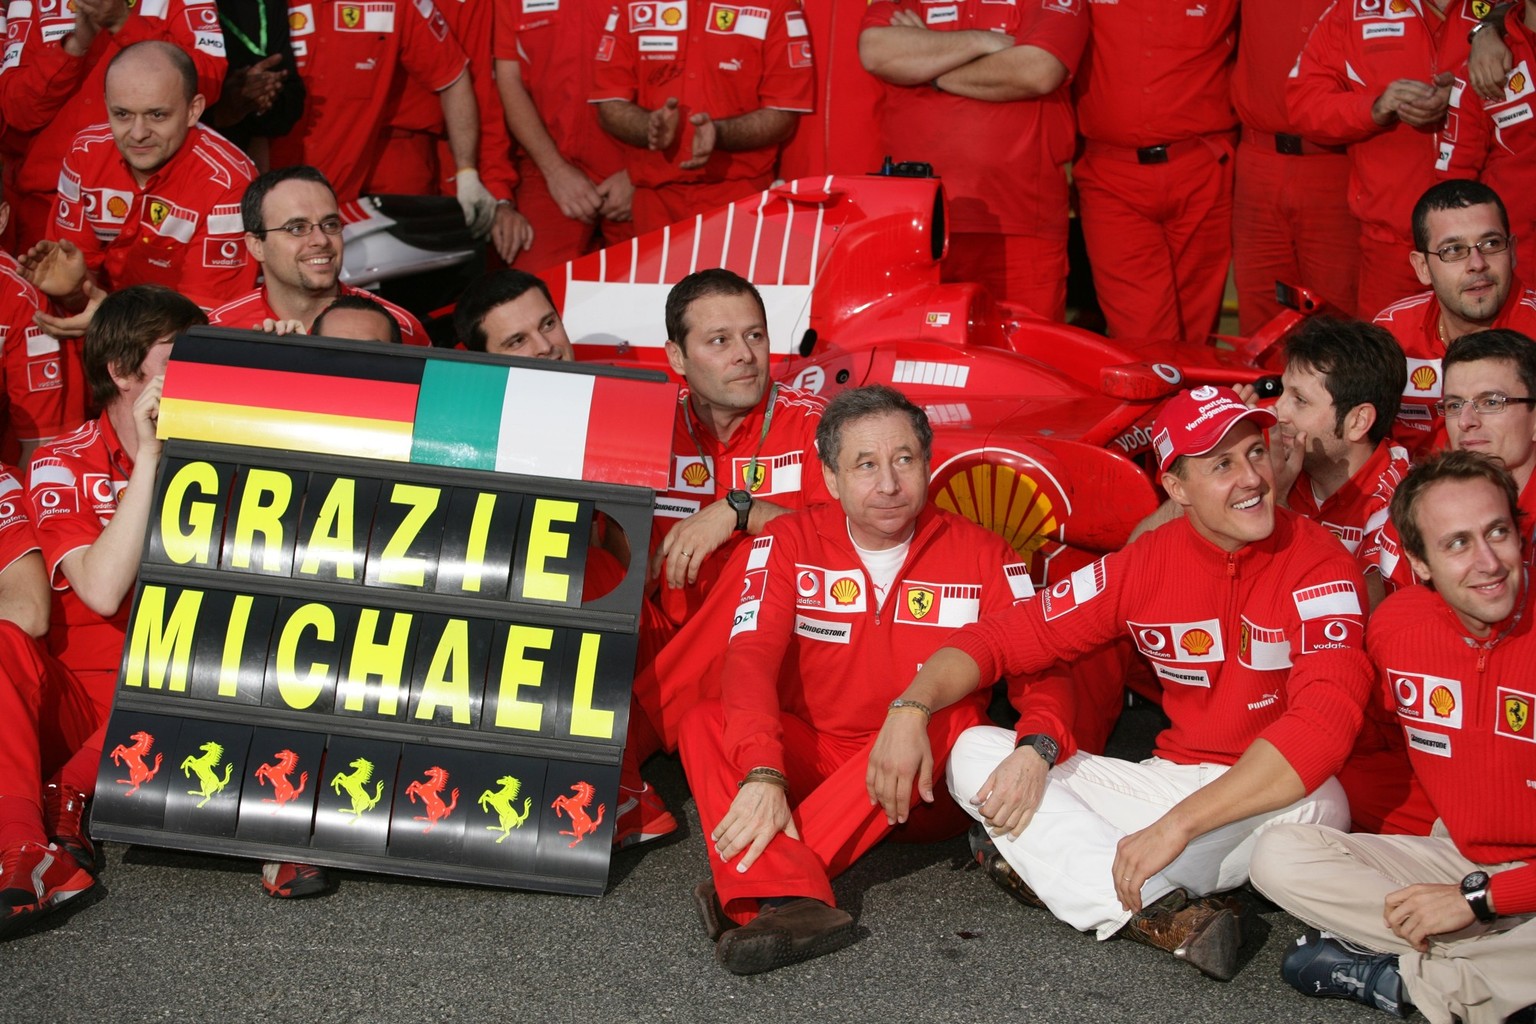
[{"x": 1324, "y": 965}]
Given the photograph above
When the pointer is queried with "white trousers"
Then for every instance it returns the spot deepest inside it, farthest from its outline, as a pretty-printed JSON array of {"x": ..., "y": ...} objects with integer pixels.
[{"x": 1067, "y": 852}]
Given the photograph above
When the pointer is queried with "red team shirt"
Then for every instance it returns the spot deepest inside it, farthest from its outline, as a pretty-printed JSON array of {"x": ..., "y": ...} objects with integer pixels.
[
  {"x": 32, "y": 34},
  {"x": 76, "y": 482},
  {"x": 249, "y": 311},
  {"x": 181, "y": 228},
  {"x": 1415, "y": 323},
  {"x": 1356, "y": 512},
  {"x": 1156, "y": 72},
  {"x": 44, "y": 383},
  {"x": 1007, "y": 177},
  {"x": 812, "y": 640},
  {"x": 702, "y": 473},
  {"x": 552, "y": 42},
  {"x": 1358, "y": 48},
  {"x": 1495, "y": 142},
  {"x": 1467, "y": 708},
  {"x": 1265, "y": 643},
  {"x": 726, "y": 59},
  {"x": 347, "y": 54}
]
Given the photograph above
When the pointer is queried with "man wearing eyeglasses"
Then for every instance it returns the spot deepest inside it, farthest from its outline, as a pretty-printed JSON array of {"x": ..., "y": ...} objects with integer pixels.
[
  {"x": 293, "y": 229},
  {"x": 150, "y": 197},
  {"x": 1464, "y": 252}
]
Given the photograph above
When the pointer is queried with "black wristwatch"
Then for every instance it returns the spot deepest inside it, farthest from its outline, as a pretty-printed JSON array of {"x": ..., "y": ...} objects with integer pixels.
[
  {"x": 741, "y": 501},
  {"x": 1043, "y": 745},
  {"x": 1475, "y": 888}
]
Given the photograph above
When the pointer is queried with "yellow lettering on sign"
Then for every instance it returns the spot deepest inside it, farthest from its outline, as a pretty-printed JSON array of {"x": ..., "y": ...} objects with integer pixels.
[
  {"x": 545, "y": 542},
  {"x": 262, "y": 504},
  {"x": 192, "y": 546},
  {"x": 447, "y": 682},
  {"x": 160, "y": 650},
  {"x": 370, "y": 657},
  {"x": 518, "y": 671},
  {"x": 234, "y": 643},
  {"x": 300, "y": 691},
  {"x": 410, "y": 572},
  {"x": 585, "y": 719},
  {"x": 331, "y": 540},
  {"x": 479, "y": 533}
]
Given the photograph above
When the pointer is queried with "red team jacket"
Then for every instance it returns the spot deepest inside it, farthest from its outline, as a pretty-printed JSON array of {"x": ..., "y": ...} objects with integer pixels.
[
  {"x": 181, "y": 228},
  {"x": 1265, "y": 643},
  {"x": 1356, "y": 512},
  {"x": 810, "y": 638},
  {"x": 1467, "y": 708}
]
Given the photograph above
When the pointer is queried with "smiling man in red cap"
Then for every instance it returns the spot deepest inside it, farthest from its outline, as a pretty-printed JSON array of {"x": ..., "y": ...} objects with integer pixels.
[{"x": 1259, "y": 648}]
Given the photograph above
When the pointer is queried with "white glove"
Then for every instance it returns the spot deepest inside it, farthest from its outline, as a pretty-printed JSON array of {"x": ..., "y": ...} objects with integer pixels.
[{"x": 478, "y": 206}]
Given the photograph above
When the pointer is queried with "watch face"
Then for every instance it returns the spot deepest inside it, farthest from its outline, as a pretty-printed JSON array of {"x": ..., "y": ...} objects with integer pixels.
[{"x": 1475, "y": 881}]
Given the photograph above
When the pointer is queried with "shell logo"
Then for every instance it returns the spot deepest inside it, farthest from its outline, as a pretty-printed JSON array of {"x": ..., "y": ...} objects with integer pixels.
[
  {"x": 1517, "y": 83},
  {"x": 297, "y": 21},
  {"x": 1424, "y": 378},
  {"x": 695, "y": 474},
  {"x": 1197, "y": 642},
  {"x": 1442, "y": 701},
  {"x": 1398, "y": 6},
  {"x": 671, "y": 16},
  {"x": 1015, "y": 499},
  {"x": 845, "y": 590},
  {"x": 117, "y": 206}
]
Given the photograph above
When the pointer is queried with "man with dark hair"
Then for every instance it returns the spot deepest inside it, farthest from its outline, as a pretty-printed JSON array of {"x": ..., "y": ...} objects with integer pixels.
[
  {"x": 1343, "y": 381},
  {"x": 1462, "y": 252},
  {"x": 812, "y": 670},
  {"x": 511, "y": 313},
  {"x": 293, "y": 229},
  {"x": 740, "y": 458},
  {"x": 150, "y": 197},
  {"x": 92, "y": 491},
  {"x": 1259, "y": 651},
  {"x": 1445, "y": 923},
  {"x": 357, "y": 317}
]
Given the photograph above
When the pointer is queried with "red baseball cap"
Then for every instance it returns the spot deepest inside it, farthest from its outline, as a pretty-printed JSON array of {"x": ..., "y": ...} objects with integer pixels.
[{"x": 1194, "y": 422}]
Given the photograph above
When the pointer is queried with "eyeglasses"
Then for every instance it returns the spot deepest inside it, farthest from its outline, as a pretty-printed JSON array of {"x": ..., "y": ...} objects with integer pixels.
[
  {"x": 302, "y": 228},
  {"x": 1485, "y": 405},
  {"x": 1456, "y": 252}
]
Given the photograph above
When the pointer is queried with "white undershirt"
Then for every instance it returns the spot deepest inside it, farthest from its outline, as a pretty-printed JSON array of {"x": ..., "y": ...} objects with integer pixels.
[{"x": 882, "y": 566}]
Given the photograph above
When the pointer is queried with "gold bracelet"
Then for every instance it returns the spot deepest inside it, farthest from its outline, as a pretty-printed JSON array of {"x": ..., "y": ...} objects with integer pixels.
[{"x": 902, "y": 704}]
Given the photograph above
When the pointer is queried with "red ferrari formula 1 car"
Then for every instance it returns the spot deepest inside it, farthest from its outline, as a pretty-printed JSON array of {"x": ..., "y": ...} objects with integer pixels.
[{"x": 1040, "y": 429}]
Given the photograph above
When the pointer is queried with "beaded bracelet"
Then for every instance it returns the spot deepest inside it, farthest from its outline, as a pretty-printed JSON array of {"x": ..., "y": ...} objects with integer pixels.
[{"x": 902, "y": 704}]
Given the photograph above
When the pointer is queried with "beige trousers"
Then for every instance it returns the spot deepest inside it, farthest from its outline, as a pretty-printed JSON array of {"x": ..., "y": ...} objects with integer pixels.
[{"x": 1339, "y": 881}]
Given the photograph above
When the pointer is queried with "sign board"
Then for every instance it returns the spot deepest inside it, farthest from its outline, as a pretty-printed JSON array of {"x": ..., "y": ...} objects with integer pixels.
[{"x": 395, "y": 662}]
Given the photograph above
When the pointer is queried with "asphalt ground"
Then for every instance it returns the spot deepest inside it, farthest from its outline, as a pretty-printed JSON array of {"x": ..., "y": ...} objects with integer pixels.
[{"x": 171, "y": 936}]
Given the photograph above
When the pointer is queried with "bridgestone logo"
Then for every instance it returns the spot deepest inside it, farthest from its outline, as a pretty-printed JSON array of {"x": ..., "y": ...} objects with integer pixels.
[
  {"x": 1429, "y": 742},
  {"x": 826, "y": 632}
]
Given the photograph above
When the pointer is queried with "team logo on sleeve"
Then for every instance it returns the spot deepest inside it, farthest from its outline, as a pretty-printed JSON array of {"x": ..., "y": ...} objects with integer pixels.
[
  {"x": 1019, "y": 582},
  {"x": 605, "y": 48},
  {"x": 1337, "y": 634},
  {"x": 1514, "y": 715},
  {"x": 1327, "y": 600},
  {"x": 753, "y": 586},
  {"x": 800, "y": 54},
  {"x": 1077, "y": 589}
]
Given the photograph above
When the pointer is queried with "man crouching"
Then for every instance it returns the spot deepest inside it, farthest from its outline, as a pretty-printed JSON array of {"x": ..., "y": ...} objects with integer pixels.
[{"x": 840, "y": 604}]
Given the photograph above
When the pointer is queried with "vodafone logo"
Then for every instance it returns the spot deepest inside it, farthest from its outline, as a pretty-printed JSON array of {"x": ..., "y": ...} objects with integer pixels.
[
  {"x": 1153, "y": 640},
  {"x": 229, "y": 250},
  {"x": 49, "y": 499},
  {"x": 1061, "y": 589},
  {"x": 101, "y": 488},
  {"x": 808, "y": 583},
  {"x": 1406, "y": 690},
  {"x": 1336, "y": 631}
]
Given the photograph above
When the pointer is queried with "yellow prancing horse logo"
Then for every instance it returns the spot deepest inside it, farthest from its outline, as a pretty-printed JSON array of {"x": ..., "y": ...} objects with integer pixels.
[
  {"x": 752, "y": 475},
  {"x": 919, "y": 601},
  {"x": 351, "y": 16},
  {"x": 1516, "y": 712},
  {"x": 157, "y": 212},
  {"x": 725, "y": 18}
]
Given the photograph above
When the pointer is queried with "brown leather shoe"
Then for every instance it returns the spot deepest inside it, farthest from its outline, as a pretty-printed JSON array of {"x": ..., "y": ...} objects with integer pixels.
[
  {"x": 711, "y": 913},
  {"x": 798, "y": 930},
  {"x": 1205, "y": 936},
  {"x": 998, "y": 869}
]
